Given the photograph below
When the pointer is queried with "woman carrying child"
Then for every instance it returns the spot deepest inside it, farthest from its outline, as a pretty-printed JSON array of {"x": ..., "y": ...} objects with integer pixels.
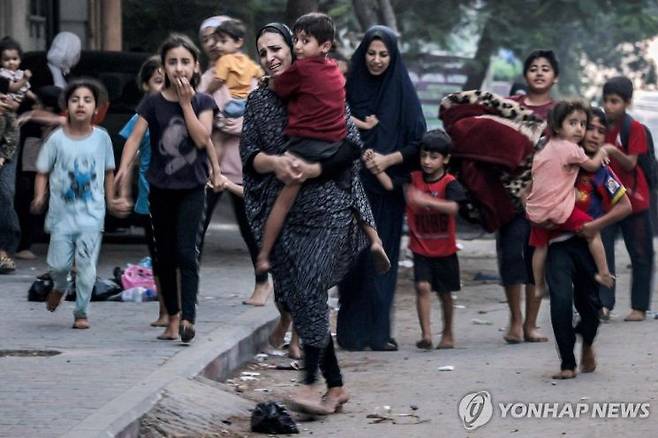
[
  {"x": 319, "y": 239},
  {"x": 179, "y": 122}
]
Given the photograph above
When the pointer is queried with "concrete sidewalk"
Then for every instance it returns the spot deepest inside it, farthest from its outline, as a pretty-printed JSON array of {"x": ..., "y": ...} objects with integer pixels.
[{"x": 105, "y": 378}]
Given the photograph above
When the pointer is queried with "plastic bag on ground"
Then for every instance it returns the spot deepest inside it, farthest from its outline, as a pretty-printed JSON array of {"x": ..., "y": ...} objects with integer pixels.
[{"x": 272, "y": 417}]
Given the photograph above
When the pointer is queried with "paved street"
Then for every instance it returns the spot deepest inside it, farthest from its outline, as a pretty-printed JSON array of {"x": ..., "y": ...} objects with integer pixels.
[
  {"x": 409, "y": 378},
  {"x": 47, "y": 396}
]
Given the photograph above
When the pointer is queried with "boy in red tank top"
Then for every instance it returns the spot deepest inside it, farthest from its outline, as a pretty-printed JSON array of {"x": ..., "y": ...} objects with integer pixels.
[{"x": 433, "y": 198}]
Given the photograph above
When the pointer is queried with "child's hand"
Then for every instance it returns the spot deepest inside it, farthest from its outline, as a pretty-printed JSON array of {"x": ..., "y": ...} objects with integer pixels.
[
  {"x": 218, "y": 182},
  {"x": 27, "y": 74},
  {"x": 119, "y": 177},
  {"x": 38, "y": 204},
  {"x": 2, "y": 162},
  {"x": 184, "y": 91},
  {"x": 371, "y": 121},
  {"x": 120, "y": 207}
]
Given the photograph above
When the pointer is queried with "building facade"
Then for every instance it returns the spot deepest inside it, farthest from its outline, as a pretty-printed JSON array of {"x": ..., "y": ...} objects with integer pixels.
[{"x": 34, "y": 23}]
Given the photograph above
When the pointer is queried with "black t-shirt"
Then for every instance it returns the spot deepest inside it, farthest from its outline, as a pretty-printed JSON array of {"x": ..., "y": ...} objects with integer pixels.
[{"x": 176, "y": 162}]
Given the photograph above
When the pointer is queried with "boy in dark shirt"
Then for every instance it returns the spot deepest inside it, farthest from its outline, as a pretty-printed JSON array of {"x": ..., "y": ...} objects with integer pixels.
[{"x": 314, "y": 89}]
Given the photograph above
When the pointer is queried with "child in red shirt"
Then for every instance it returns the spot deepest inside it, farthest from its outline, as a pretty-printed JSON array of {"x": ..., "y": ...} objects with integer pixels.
[
  {"x": 314, "y": 88},
  {"x": 432, "y": 203}
]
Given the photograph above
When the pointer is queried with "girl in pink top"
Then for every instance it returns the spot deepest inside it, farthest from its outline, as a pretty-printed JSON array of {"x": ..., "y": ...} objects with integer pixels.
[{"x": 551, "y": 203}]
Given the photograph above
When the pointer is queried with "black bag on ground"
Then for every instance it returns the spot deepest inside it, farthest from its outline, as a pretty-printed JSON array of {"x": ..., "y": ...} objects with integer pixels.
[
  {"x": 40, "y": 288},
  {"x": 103, "y": 290},
  {"x": 272, "y": 417}
]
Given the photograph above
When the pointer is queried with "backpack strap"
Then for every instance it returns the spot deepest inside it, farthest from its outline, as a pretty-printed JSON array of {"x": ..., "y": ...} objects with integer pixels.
[{"x": 625, "y": 131}]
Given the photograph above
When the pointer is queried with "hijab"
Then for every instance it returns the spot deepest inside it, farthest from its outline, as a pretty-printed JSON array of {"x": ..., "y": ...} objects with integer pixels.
[
  {"x": 63, "y": 55},
  {"x": 282, "y": 30},
  {"x": 213, "y": 22},
  {"x": 390, "y": 96}
]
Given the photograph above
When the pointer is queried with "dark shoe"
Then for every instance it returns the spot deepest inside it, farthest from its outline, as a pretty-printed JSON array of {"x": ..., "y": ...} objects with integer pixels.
[
  {"x": 424, "y": 344},
  {"x": 186, "y": 333}
]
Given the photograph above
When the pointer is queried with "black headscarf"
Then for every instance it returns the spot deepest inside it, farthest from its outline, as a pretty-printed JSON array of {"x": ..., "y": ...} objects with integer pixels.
[
  {"x": 282, "y": 30},
  {"x": 390, "y": 96}
]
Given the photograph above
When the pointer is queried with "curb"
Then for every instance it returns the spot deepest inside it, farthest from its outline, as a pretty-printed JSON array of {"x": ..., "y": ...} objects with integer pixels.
[{"x": 214, "y": 355}]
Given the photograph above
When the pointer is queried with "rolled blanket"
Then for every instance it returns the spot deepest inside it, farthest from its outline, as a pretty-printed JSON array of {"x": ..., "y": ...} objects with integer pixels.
[{"x": 494, "y": 142}]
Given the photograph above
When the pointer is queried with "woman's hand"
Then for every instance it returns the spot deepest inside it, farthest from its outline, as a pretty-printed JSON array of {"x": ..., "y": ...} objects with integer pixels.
[
  {"x": 305, "y": 169},
  {"x": 184, "y": 91}
]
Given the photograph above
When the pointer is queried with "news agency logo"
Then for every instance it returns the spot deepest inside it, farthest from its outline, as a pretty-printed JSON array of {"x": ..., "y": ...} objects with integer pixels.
[{"x": 475, "y": 409}]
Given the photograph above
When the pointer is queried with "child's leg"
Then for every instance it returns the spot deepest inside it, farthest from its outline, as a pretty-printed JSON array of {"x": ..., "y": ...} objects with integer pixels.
[
  {"x": 380, "y": 259},
  {"x": 538, "y": 262},
  {"x": 282, "y": 205},
  {"x": 448, "y": 310},
  {"x": 87, "y": 247},
  {"x": 424, "y": 309},
  {"x": 60, "y": 260},
  {"x": 597, "y": 250}
]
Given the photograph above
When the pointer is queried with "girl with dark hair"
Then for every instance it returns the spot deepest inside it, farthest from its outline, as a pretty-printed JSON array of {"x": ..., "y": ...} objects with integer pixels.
[
  {"x": 77, "y": 164},
  {"x": 378, "y": 85},
  {"x": 179, "y": 122}
]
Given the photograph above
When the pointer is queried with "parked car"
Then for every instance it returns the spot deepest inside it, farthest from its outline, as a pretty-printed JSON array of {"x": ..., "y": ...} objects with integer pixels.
[{"x": 118, "y": 72}]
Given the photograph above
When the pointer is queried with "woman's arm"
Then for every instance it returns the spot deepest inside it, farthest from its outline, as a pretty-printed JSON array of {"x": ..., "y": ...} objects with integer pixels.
[{"x": 369, "y": 123}]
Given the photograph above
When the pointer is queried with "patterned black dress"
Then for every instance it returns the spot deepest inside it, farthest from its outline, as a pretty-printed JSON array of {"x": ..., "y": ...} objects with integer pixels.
[{"x": 321, "y": 237}]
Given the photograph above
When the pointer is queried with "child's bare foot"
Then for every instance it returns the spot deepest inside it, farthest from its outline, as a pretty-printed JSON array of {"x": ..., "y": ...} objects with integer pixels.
[
  {"x": 379, "y": 257},
  {"x": 587, "y": 359},
  {"x": 262, "y": 264},
  {"x": 636, "y": 315},
  {"x": 565, "y": 374},
  {"x": 162, "y": 321},
  {"x": 447, "y": 342},
  {"x": 424, "y": 344},
  {"x": 294, "y": 350},
  {"x": 306, "y": 400},
  {"x": 531, "y": 334},
  {"x": 81, "y": 323},
  {"x": 605, "y": 278},
  {"x": 260, "y": 294},
  {"x": 514, "y": 334}
]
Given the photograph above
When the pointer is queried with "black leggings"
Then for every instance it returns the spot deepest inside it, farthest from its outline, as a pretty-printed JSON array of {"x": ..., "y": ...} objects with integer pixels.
[
  {"x": 177, "y": 217},
  {"x": 241, "y": 216},
  {"x": 325, "y": 359}
]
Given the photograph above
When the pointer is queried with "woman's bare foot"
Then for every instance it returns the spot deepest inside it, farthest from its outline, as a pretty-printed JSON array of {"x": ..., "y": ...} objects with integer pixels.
[
  {"x": 379, "y": 257},
  {"x": 587, "y": 359},
  {"x": 335, "y": 398},
  {"x": 162, "y": 321},
  {"x": 171, "y": 332},
  {"x": 305, "y": 399},
  {"x": 260, "y": 294},
  {"x": 565, "y": 374},
  {"x": 447, "y": 342},
  {"x": 636, "y": 315},
  {"x": 605, "y": 279},
  {"x": 262, "y": 264}
]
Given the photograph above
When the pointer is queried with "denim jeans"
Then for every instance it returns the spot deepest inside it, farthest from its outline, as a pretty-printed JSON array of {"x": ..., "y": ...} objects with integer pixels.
[
  {"x": 570, "y": 273},
  {"x": 10, "y": 231},
  {"x": 83, "y": 248},
  {"x": 638, "y": 237}
]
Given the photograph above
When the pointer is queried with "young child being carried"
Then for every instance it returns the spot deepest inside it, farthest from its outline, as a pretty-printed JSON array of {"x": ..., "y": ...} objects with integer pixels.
[
  {"x": 77, "y": 164},
  {"x": 233, "y": 68},
  {"x": 433, "y": 199},
  {"x": 551, "y": 204},
  {"x": 314, "y": 89}
]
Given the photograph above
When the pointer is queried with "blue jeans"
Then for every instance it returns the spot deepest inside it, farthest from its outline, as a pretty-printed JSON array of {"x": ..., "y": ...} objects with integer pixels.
[
  {"x": 83, "y": 248},
  {"x": 10, "y": 231},
  {"x": 638, "y": 237}
]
